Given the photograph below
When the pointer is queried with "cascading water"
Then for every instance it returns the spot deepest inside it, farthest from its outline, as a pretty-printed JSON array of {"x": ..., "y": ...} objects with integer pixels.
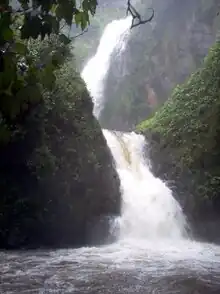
[
  {"x": 149, "y": 209},
  {"x": 95, "y": 70}
]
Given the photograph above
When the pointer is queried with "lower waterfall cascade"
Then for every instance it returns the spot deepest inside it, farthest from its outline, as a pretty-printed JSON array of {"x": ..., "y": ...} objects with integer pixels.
[{"x": 149, "y": 210}]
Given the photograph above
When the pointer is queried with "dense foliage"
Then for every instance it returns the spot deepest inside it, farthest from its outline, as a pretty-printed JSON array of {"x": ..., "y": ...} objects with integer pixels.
[
  {"x": 191, "y": 113},
  {"x": 186, "y": 132},
  {"x": 22, "y": 76}
]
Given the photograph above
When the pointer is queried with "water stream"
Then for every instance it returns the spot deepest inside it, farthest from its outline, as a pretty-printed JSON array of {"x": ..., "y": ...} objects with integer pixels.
[
  {"x": 94, "y": 73},
  {"x": 153, "y": 253}
]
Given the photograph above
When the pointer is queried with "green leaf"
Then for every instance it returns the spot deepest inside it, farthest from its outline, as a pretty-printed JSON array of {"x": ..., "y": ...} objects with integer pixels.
[
  {"x": 8, "y": 91},
  {"x": 46, "y": 6},
  {"x": 92, "y": 6},
  {"x": 31, "y": 28},
  {"x": 55, "y": 25},
  {"x": 5, "y": 134},
  {"x": 46, "y": 29},
  {"x": 9, "y": 73},
  {"x": 20, "y": 48},
  {"x": 53, "y": 8},
  {"x": 24, "y": 4},
  {"x": 78, "y": 18},
  {"x": 64, "y": 39},
  {"x": 84, "y": 20},
  {"x": 65, "y": 11},
  {"x": 47, "y": 77},
  {"x": 7, "y": 34}
]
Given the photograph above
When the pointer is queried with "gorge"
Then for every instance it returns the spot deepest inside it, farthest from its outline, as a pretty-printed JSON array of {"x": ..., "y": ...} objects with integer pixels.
[{"x": 154, "y": 250}]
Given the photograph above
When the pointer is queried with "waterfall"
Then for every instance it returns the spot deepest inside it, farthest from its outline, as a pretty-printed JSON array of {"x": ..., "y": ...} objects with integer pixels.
[
  {"x": 94, "y": 72},
  {"x": 151, "y": 254},
  {"x": 149, "y": 210}
]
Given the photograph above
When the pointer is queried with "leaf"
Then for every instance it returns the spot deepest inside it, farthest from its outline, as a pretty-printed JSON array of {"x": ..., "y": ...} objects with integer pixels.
[
  {"x": 78, "y": 18},
  {"x": 9, "y": 73},
  {"x": 5, "y": 21},
  {"x": 35, "y": 27},
  {"x": 46, "y": 6},
  {"x": 24, "y": 32},
  {"x": 7, "y": 34},
  {"x": 50, "y": 24},
  {"x": 30, "y": 93},
  {"x": 92, "y": 6},
  {"x": 31, "y": 28},
  {"x": 89, "y": 6},
  {"x": 64, "y": 39},
  {"x": 55, "y": 25},
  {"x": 5, "y": 134},
  {"x": 49, "y": 81},
  {"x": 53, "y": 8},
  {"x": 22, "y": 2},
  {"x": 8, "y": 91},
  {"x": 46, "y": 29},
  {"x": 47, "y": 77},
  {"x": 65, "y": 11},
  {"x": 84, "y": 20},
  {"x": 20, "y": 48}
]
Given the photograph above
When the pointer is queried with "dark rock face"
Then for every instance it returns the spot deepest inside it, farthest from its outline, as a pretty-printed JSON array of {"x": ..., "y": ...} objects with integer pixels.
[{"x": 58, "y": 182}]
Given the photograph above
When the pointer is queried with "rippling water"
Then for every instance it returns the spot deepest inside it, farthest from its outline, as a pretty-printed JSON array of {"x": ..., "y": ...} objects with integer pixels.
[{"x": 125, "y": 267}]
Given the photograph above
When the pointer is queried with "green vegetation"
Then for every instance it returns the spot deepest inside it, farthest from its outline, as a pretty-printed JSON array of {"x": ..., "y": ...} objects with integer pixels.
[
  {"x": 22, "y": 77},
  {"x": 187, "y": 129},
  {"x": 191, "y": 114}
]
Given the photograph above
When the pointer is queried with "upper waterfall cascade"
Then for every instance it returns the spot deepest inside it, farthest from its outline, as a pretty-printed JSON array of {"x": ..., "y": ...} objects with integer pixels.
[
  {"x": 149, "y": 210},
  {"x": 94, "y": 72}
]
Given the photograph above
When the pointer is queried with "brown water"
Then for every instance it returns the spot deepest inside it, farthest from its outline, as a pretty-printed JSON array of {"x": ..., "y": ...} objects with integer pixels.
[{"x": 142, "y": 267}]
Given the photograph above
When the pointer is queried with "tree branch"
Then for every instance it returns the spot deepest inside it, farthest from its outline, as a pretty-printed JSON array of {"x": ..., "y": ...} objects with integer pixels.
[
  {"x": 83, "y": 32},
  {"x": 136, "y": 16}
]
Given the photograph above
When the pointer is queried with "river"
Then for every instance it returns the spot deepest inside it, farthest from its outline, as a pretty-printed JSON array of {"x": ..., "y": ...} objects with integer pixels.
[{"x": 185, "y": 267}]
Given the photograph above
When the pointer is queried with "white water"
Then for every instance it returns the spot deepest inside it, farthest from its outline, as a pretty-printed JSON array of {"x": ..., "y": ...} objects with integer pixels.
[
  {"x": 149, "y": 210},
  {"x": 95, "y": 70}
]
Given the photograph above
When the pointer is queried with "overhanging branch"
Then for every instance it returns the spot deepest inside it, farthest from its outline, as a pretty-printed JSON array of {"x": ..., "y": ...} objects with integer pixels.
[
  {"x": 80, "y": 34},
  {"x": 136, "y": 17}
]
